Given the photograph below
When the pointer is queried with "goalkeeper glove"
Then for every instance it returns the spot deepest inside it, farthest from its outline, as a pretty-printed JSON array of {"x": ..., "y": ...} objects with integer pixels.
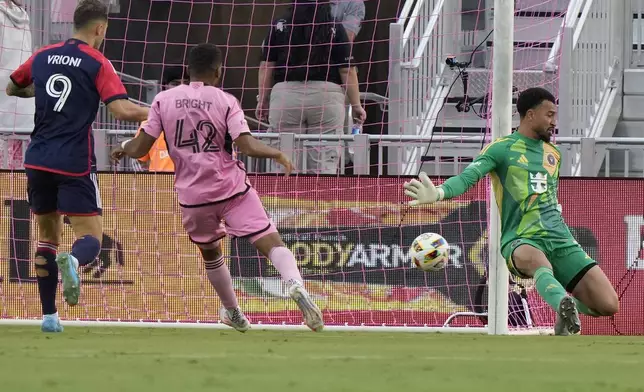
[{"x": 423, "y": 191}]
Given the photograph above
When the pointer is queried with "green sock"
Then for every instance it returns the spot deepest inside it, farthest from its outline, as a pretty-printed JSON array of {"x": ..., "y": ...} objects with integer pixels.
[
  {"x": 582, "y": 308},
  {"x": 548, "y": 287}
]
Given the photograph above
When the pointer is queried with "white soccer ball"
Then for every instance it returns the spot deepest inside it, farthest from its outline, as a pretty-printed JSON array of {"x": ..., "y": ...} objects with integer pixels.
[{"x": 429, "y": 252}]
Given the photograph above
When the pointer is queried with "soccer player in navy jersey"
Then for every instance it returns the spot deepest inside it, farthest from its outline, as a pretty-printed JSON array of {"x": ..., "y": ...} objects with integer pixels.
[{"x": 68, "y": 79}]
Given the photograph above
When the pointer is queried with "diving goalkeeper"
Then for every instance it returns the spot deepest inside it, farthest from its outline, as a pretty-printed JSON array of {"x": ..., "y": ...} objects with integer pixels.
[{"x": 535, "y": 241}]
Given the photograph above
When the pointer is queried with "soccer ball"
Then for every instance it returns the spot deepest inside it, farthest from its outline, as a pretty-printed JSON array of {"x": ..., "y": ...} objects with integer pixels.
[{"x": 429, "y": 252}]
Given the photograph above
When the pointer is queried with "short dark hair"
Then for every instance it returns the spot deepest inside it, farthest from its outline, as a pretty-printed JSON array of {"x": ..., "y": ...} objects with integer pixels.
[
  {"x": 533, "y": 97},
  {"x": 204, "y": 58},
  {"x": 88, "y": 11},
  {"x": 172, "y": 73}
]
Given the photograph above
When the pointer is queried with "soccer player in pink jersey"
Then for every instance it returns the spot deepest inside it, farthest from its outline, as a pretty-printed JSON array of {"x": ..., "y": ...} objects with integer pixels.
[{"x": 201, "y": 123}]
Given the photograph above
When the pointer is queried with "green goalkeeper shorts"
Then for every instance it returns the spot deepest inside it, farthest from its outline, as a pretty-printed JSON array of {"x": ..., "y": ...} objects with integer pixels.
[{"x": 569, "y": 263}]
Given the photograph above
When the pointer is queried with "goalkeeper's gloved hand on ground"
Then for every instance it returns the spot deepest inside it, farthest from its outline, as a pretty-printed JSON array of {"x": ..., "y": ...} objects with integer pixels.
[{"x": 423, "y": 191}]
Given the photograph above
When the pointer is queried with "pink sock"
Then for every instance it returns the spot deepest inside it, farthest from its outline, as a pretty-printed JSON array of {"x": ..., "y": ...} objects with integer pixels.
[
  {"x": 220, "y": 279},
  {"x": 285, "y": 263}
]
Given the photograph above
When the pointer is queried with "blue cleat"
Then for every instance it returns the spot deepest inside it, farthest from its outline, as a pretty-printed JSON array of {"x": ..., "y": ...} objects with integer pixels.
[
  {"x": 51, "y": 323},
  {"x": 68, "y": 266}
]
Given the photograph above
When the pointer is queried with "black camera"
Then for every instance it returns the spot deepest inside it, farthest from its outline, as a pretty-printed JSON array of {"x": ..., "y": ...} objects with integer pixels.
[{"x": 452, "y": 63}]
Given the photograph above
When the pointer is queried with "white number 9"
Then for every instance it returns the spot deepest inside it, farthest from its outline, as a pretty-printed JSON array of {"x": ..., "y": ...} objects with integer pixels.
[{"x": 61, "y": 94}]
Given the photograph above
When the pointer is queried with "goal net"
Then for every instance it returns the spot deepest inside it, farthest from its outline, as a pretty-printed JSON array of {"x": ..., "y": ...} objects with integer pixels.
[{"x": 350, "y": 233}]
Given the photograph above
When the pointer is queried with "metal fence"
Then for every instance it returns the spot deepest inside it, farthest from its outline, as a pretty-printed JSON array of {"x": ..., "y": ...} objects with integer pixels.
[
  {"x": 585, "y": 62},
  {"x": 636, "y": 24},
  {"x": 425, "y": 31},
  {"x": 584, "y": 68},
  {"x": 591, "y": 63},
  {"x": 624, "y": 156}
]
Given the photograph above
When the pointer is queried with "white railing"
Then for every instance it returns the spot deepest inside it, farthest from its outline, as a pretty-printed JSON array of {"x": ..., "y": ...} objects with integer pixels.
[
  {"x": 587, "y": 55},
  {"x": 107, "y": 126},
  {"x": 624, "y": 156},
  {"x": 637, "y": 25},
  {"x": 584, "y": 62},
  {"x": 572, "y": 13},
  {"x": 605, "y": 116},
  {"x": 426, "y": 32}
]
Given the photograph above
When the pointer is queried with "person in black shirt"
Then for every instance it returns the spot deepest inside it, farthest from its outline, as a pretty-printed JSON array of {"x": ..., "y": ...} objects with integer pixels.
[{"x": 306, "y": 62}]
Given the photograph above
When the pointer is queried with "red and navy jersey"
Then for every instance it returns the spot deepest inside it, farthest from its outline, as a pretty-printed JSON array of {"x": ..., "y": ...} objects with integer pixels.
[{"x": 70, "y": 79}]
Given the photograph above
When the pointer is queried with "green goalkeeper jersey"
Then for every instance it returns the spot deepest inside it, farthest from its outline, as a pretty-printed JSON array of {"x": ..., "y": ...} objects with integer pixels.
[{"x": 525, "y": 177}]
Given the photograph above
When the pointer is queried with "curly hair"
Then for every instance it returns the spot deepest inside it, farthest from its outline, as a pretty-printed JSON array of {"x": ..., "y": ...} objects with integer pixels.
[{"x": 531, "y": 98}]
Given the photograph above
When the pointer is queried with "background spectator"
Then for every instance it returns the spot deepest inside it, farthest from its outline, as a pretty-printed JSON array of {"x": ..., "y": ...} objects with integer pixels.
[
  {"x": 158, "y": 159},
  {"x": 307, "y": 56},
  {"x": 15, "y": 48},
  {"x": 350, "y": 13}
]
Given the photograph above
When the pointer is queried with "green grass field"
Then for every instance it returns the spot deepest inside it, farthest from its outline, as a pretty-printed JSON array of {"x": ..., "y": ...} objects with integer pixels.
[{"x": 159, "y": 360}]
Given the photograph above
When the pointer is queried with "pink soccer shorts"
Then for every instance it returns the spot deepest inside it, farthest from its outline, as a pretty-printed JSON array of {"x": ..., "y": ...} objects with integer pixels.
[{"x": 242, "y": 216}]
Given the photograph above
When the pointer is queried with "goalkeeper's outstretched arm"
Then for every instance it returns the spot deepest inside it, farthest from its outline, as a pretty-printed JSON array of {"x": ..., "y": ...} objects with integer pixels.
[
  {"x": 425, "y": 192},
  {"x": 457, "y": 185}
]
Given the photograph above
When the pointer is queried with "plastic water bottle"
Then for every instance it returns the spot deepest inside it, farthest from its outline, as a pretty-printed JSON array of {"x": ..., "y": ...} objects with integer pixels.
[{"x": 355, "y": 130}]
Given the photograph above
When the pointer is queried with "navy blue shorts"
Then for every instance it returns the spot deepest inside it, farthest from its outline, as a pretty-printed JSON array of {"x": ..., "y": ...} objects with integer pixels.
[{"x": 51, "y": 192}]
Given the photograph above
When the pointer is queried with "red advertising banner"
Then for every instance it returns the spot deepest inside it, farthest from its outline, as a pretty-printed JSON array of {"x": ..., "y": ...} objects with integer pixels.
[
  {"x": 605, "y": 215},
  {"x": 350, "y": 236}
]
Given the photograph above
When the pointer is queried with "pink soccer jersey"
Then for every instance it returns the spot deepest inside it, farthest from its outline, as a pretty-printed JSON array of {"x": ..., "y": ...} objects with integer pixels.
[{"x": 200, "y": 124}]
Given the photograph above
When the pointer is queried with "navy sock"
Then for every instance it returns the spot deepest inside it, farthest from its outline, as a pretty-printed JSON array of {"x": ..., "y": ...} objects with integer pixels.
[
  {"x": 47, "y": 276},
  {"x": 86, "y": 249}
]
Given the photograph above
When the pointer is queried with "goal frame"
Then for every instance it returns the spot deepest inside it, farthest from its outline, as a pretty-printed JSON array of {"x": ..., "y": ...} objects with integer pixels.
[
  {"x": 270, "y": 327},
  {"x": 502, "y": 71},
  {"x": 498, "y": 286}
]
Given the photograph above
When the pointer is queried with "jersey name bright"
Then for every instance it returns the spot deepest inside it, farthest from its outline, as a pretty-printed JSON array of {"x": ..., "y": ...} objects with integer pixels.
[
  {"x": 64, "y": 60},
  {"x": 192, "y": 104}
]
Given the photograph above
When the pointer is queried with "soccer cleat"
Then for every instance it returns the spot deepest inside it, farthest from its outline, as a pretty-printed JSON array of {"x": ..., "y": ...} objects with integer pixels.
[
  {"x": 234, "y": 318},
  {"x": 312, "y": 314},
  {"x": 51, "y": 323},
  {"x": 568, "y": 322},
  {"x": 68, "y": 266}
]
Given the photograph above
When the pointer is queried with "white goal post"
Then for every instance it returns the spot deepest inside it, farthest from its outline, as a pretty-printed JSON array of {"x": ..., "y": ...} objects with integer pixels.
[
  {"x": 502, "y": 71},
  {"x": 498, "y": 275}
]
